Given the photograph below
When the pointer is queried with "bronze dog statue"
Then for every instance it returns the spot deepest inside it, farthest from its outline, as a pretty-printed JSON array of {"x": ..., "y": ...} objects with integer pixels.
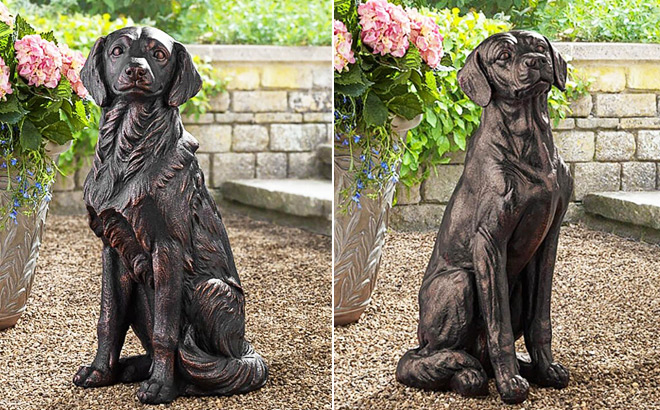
[
  {"x": 168, "y": 269},
  {"x": 490, "y": 275}
]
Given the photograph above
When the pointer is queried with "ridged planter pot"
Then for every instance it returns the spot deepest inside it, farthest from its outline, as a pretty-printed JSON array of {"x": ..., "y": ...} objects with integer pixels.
[
  {"x": 359, "y": 237},
  {"x": 19, "y": 250}
]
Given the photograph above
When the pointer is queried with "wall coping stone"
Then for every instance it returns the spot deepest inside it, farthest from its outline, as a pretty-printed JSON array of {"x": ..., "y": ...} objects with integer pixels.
[
  {"x": 609, "y": 51},
  {"x": 242, "y": 53}
]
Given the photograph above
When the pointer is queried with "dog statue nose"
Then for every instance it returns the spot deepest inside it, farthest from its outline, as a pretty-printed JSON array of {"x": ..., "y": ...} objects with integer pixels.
[
  {"x": 135, "y": 73},
  {"x": 534, "y": 61}
]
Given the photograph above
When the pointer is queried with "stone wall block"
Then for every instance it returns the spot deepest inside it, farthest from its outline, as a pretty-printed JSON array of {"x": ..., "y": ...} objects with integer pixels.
[
  {"x": 231, "y": 165},
  {"x": 625, "y": 105},
  {"x": 582, "y": 106},
  {"x": 615, "y": 146},
  {"x": 249, "y": 138},
  {"x": 259, "y": 101},
  {"x": 408, "y": 195},
  {"x": 596, "y": 177},
  {"x": 310, "y": 101},
  {"x": 242, "y": 77},
  {"x": 296, "y": 137},
  {"x": 575, "y": 146},
  {"x": 644, "y": 76},
  {"x": 271, "y": 165},
  {"x": 212, "y": 138},
  {"x": 440, "y": 185},
  {"x": 648, "y": 144},
  {"x": 286, "y": 76},
  {"x": 303, "y": 165},
  {"x": 638, "y": 176}
]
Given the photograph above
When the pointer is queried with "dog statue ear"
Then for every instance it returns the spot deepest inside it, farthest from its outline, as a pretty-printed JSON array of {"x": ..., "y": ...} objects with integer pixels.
[
  {"x": 92, "y": 74},
  {"x": 473, "y": 81},
  {"x": 558, "y": 67},
  {"x": 186, "y": 82}
]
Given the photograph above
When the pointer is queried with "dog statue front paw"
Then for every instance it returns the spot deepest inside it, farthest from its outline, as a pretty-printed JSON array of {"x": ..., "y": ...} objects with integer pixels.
[
  {"x": 94, "y": 376},
  {"x": 554, "y": 375},
  {"x": 513, "y": 390},
  {"x": 156, "y": 392}
]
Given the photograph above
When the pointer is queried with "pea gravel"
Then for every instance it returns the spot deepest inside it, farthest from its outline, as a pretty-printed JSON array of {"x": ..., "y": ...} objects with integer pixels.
[
  {"x": 286, "y": 274},
  {"x": 606, "y": 329}
]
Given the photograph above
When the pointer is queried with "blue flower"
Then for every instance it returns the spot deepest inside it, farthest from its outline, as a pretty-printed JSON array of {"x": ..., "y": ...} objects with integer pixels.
[
  {"x": 49, "y": 169},
  {"x": 356, "y": 138},
  {"x": 17, "y": 204},
  {"x": 30, "y": 173},
  {"x": 344, "y": 142},
  {"x": 370, "y": 176},
  {"x": 3, "y": 142},
  {"x": 3, "y": 165},
  {"x": 394, "y": 178},
  {"x": 362, "y": 157},
  {"x": 18, "y": 178},
  {"x": 384, "y": 165},
  {"x": 374, "y": 151},
  {"x": 13, "y": 161},
  {"x": 13, "y": 214},
  {"x": 38, "y": 185},
  {"x": 336, "y": 114},
  {"x": 396, "y": 147},
  {"x": 48, "y": 197},
  {"x": 26, "y": 195},
  {"x": 360, "y": 184}
]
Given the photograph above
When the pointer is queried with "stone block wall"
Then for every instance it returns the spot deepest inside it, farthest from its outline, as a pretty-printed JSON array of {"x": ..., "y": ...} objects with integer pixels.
[
  {"x": 276, "y": 111},
  {"x": 611, "y": 141}
]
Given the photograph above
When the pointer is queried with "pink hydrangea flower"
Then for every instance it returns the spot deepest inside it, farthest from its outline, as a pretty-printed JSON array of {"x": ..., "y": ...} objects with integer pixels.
[
  {"x": 342, "y": 41},
  {"x": 385, "y": 27},
  {"x": 5, "y": 85},
  {"x": 72, "y": 63},
  {"x": 5, "y": 15},
  {"x": 425, "y": 34},
  {"x": 39, "y": 61}
]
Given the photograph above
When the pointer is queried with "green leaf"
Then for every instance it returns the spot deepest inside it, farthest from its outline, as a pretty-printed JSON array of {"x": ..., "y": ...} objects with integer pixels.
[
  {"x": 23, "y": 28},
  {"x": 408, "y": 106},
  {"x": 375, "y": 111},
  {"x": 351, "y": 90},
  {"x": 12, "y": 118},
  {"x": 58, "y": 132},
  {"x": 30, "y": 138}
]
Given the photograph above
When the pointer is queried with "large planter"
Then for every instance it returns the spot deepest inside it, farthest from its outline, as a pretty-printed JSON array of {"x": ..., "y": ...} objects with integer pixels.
[
  {"x": 359, "y": 237},
  {"x": 19, "y": 249}
]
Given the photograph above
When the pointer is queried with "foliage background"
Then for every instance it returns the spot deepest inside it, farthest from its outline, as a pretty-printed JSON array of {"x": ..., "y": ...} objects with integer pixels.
[
  {"x": 570, "y": 20},
  {"x": 448, "y": 123},
  {"x": 80, "y": 22}
]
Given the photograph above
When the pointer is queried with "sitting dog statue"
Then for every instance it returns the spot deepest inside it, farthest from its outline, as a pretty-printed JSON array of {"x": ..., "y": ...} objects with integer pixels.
[
  {"x": 490, "y": 275},
  {"x": 168, "y": 269}
]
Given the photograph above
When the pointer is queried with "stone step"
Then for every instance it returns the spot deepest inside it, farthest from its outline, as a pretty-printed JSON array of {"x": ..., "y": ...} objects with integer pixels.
[
  {"x": 632, "y": 214},
  {"x": 303, "y": 203},
  {"x": 324, "y": 154}
]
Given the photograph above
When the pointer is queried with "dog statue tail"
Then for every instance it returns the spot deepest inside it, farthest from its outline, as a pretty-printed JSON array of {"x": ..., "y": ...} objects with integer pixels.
[
  {"x": 443, "y": 370},
  {"x": 214, "y": 357}
]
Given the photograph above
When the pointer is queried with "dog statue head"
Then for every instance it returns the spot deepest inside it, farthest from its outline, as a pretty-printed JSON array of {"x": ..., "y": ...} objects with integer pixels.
[
  {"x": 512, "y": 66},
  {"x": 140, "y": 63}
]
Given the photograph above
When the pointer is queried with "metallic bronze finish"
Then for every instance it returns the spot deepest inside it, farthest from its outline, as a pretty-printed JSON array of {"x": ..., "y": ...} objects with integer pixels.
[
  {"x": 490, "y": 275},
  {"x": 168, "y": 269}
]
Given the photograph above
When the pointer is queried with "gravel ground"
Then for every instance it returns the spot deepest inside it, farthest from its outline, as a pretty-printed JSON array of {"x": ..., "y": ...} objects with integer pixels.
[
  {"x": 606, "y": 328},
  {"x": 286, "y": 274}
]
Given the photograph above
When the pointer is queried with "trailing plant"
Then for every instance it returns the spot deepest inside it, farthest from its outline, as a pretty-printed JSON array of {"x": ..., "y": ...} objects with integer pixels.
[
  {"x": 42, "y": 100},
  {"x": 385, "y": 58},
  {"x": 449, "y": 122}
]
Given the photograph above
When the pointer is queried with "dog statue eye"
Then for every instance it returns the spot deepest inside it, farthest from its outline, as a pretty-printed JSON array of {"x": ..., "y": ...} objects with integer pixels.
[
  {"x": 117, "y": 51},
  {"x": 159, "y": 54},
  {"x": 540, "y": 49},
  {"x": 505, "y": 55}
]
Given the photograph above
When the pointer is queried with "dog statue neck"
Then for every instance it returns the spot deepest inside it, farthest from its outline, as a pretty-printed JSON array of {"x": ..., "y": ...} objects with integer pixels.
[
  {"x": 521, "y": 116},
  {"x": 134, "y": 134}
]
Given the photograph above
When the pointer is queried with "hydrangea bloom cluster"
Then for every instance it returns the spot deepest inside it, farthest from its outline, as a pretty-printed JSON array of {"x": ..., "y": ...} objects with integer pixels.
[
  {"x": 39, "y": 61},
  {"x": 5, "y": 85},
  {"x": 342, "y": 41},
  {"x": 5, "y": 16},
  {"x": 385, "y": 27},
  {"x": 72, "y": 63},
  {"x": 425, "y": 34}
]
